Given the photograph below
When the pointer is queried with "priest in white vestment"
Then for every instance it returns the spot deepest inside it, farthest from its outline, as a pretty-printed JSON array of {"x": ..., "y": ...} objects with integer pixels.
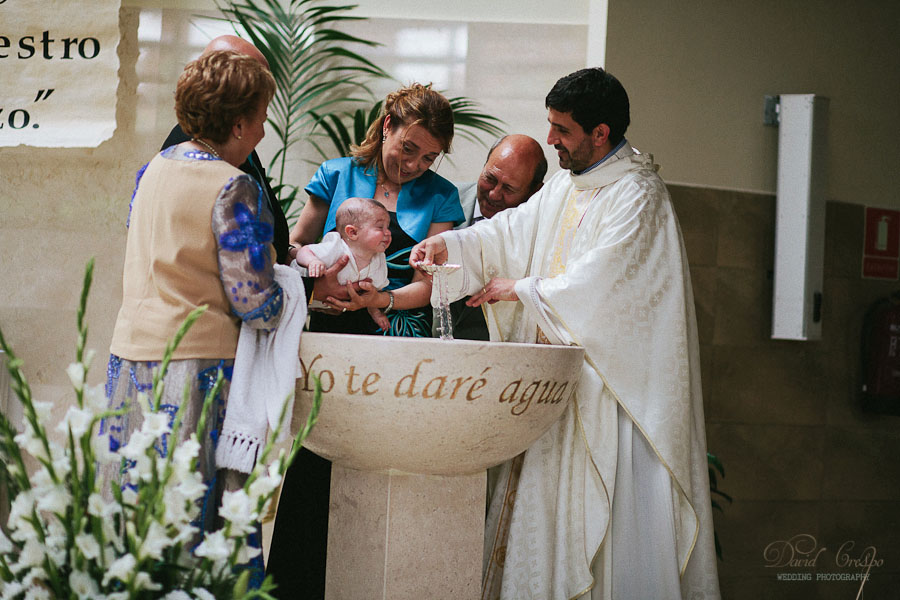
[{"x": 613, "y": 501}]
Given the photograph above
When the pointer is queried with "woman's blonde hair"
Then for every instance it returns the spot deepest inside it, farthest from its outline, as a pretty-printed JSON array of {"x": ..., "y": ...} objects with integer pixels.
[
  {"x": 415, "y": 104},
  {"x": 216, "y": 90}
]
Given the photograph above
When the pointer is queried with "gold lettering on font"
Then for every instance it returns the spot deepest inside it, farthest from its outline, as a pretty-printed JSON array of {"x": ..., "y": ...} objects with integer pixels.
[
  {"x": 305, "y": 373},
  {"x": 519, "y": 394},
  {"x": 552, "y": 393}
]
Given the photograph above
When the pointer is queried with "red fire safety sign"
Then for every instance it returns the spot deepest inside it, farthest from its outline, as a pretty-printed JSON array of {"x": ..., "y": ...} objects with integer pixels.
[{"x": 881, "y": 244}]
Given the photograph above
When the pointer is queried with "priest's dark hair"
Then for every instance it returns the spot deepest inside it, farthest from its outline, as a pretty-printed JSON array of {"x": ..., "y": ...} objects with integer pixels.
[{"x": 593, "y": 96}]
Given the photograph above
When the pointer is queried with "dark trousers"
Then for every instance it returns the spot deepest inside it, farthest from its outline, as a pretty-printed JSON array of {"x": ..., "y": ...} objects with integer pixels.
[{"x": 300, "y": 538}]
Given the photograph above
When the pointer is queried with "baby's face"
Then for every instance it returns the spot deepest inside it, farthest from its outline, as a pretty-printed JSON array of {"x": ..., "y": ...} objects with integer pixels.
[{"x": 375, "y": 233}]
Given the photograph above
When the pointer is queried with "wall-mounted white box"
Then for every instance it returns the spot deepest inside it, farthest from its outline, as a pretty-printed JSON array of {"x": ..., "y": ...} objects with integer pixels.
[{"x": 800, "y": 217}]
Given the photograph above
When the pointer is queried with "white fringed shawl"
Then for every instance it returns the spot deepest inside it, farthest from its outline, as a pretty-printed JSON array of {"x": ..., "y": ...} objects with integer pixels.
[{"x": 266, "y": 367}]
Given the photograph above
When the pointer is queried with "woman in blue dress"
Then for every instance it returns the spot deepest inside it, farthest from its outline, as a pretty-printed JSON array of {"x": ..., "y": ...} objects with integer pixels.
[{"x": 392, "y": 166}]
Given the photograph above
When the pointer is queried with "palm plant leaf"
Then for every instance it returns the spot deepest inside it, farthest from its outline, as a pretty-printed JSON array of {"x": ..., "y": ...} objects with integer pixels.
[
  {"x": 469, "y": 121},
  {"x": 313, "y": 66}
]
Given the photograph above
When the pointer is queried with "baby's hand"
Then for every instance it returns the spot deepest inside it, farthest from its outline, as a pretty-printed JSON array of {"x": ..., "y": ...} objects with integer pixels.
[
  {"x": 316, "y": 268},
  {"x": 380, "y": 318}
]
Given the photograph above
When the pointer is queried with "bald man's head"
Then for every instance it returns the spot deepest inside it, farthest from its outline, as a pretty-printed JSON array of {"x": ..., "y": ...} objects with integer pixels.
[
  {"x": 236, "y": 44},
  {"x": 514, "y": 170}
]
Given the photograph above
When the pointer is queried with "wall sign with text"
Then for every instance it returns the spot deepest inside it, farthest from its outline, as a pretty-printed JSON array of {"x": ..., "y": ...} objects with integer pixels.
[
  {"x": 881, "y": 244},
  {"x": 58, "y": 72}
]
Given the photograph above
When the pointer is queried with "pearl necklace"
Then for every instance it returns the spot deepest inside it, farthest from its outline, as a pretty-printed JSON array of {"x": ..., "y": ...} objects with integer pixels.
[{"x": 207, "y": 146}]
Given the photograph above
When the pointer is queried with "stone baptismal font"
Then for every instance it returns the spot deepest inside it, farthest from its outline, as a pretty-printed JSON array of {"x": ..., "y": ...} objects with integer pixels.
[{"x": 411, "y": 425}]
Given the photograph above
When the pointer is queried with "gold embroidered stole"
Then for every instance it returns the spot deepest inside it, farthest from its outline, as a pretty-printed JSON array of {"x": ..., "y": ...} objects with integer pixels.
[{"x": 576, "y": 205}]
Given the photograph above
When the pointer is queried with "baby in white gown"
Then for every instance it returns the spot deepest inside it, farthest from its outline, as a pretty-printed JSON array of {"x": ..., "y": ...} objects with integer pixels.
[{"x": 363, "y": 233}]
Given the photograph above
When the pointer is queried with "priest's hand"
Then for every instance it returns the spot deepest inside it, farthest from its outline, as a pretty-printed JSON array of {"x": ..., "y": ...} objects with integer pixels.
[
  {"x": 432, "y": 250},
  {"x": 497, "y": 289}
]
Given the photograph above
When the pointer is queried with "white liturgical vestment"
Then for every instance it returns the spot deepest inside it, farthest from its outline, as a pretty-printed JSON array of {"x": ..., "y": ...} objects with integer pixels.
[{"x": 613, "y": 501}]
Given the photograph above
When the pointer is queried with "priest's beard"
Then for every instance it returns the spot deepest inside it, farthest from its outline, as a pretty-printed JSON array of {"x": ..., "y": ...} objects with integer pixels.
[{"x": 577, "y": 159}]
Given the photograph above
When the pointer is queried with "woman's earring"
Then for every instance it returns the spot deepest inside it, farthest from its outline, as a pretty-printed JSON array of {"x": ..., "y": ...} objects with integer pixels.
[{"x": 383, "y": 138}]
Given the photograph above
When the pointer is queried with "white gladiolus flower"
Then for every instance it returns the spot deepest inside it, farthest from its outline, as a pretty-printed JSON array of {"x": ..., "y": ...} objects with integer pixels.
[
  {"x": 76, "y": 375},
  {"x": 109, "y": 554},
  {"x": 58, "y": 453},
  {"x": 34, "y": 576},
  {"x": 214, "y": 547},
  {"x": 78, "y": 420},
  {"x": 121, "y": 569},
  {"x": 100, "y": 446},
  {"x": 142, "y": 469},
  {"x": 24, "y": 533},
  {"x": 185, "y": 534},
  {"x": 236, "y": 508},
  {"x": 56, "y": 530},
  {"x": 32, "y": 554},
  {"x": 156, "y": 424},
  {"x": 55, "y": 499},
  {"x": 112, "y": 535},
  {"x": 177, "y": 595},
  {"x": 31, "y": 443},
  {"x": 62, "y": 465},
  {"x": 55, "y": 542},
  {"x": 41, "y": 480},
  {"x": 13, "y": 589},
  {"x": 129, "y": 496},
  {"x": 174, "y": 511},
  {"x": 96, "y": 507},
  {"x": 83, "y": 585},
  {"x": 247, "y": 553},
  {"x": 142, "y": 581},
  {"x": 155, "y": 541},
  {"x": 89, "y": 357},
  {"x": 264, "y": 485},
  {"x": 6, "y": 546},
  {"x": 191, "y": 485},
  {"x": 137, "y": 445},
  {"x": 95, "y": 395},
  {"x": 202, "y": 594},
  {"x": 19, "y": 511},
  {"x": 184, "y": 454},
  {"x": 55, "y": 549},
  {"x": 37, "y": 593},
  {"x": 87, "y": 544},
  {"x": 43, "y": 410}
]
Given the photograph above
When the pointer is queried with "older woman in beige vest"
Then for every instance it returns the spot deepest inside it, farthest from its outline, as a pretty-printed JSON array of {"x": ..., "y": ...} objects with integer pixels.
[{"x": 199, "y": 232}]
